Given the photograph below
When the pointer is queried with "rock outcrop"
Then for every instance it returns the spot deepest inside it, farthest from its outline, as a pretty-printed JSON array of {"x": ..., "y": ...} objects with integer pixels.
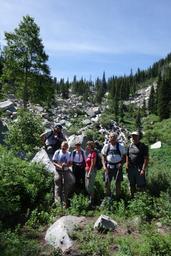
[{"x": 59, "y": 234}]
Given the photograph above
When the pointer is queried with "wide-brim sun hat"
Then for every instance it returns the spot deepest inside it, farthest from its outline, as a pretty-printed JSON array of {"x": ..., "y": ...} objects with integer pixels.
[{"x": 136, "y": 133}]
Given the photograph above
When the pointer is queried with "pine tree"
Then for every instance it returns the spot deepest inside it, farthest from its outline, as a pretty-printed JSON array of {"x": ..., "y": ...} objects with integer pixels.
[
  {"x": 104, "y": 84},
  {"x": 138, "y": 122},
  {"x": 99, "y": 91},
  {"x": 152, "y": 101},
  {"x": 24, "y": 58},
  {"x": 164, "y": 95}
]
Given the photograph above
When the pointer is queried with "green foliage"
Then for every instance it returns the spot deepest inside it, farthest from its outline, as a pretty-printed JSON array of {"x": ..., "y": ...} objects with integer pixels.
[
  {"x": 162, "y": 206},
  {"x": 159, "y": 245},
  {"x": 79, "y": 205},
  {"x": 76, "y": 122},
  {"x": 23, "y": 186},
  {"x": 147, "y": 244},
  {"x": 81, "y": 87},
  {"x": 152, "y": 106},
  {"x": 106, "y": 118},
  {"x": 142, "y": 206},
  {"x": 94, "y": 135},
  {"x": 93, "y": 244},
  {"x": 164, "y": 94},
  {"x": 37, "y": 218},
  {"x": 159, "y": 175},
  {"x": 24, "y": 134},
  {"x": 156, "y": 130},
  {"x": 25, "y": 66},
  {"x": 13, "y": 243}
]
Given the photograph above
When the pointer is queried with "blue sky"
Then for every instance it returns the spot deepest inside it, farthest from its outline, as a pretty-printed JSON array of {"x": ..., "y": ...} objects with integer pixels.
[{"x": 87, "y": 37}]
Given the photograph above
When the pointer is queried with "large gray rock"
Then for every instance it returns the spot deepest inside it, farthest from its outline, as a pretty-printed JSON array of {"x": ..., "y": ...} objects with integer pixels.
[
  {"x": 7, "y": 105},
  {"x": 43, "y": 158},
  {"x": 58, "y": 235},
  {"x": 105, "y": 223},
  {"x": 92, "y": 112},
  {"x": 86, "y": 122},
  {"x": 75, "y": 138}
]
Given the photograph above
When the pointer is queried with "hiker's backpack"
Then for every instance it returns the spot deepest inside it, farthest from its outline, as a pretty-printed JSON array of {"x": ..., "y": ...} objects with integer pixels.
[
  {"x": 117, "y": 149},
  {"x": 118, "y": 152},
  {"x": 55, "y": 146},
  {"x": 99, "y": 164}
]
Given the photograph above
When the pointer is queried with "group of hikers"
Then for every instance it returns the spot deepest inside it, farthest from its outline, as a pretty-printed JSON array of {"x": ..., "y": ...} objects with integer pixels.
[{"x": 76, "y": 170}]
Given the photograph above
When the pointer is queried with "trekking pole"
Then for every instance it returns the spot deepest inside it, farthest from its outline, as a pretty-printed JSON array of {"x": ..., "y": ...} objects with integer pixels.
[{"x": 63, "y": 189}]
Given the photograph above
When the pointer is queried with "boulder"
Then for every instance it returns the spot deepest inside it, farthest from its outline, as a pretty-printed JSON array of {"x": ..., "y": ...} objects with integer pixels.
[
  {"x": 86, "y": 122},
  {"x": 58, "y": 235},
  {"x": 105, "y": 223},
  {"x": 92, "y": 112},
  {"x": 43, "y": 158},
  {"x": 75, "y": 138},
  {"x": 95, "y": 119},
  {"x": 39, "y": 108},
  {"x": 156, "y": 145},
  {"x": 7, "y": 105}
]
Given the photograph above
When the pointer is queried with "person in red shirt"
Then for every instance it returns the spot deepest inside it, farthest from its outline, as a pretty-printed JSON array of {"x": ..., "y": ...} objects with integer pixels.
[{"x": 90, "y": 170}]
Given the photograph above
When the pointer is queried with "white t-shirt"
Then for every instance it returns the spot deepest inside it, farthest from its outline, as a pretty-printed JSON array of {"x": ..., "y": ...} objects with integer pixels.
[
  {"x": 112, "y": 154},
  {"x": 61, "y": 157},
  {"x": 77, "y": 157}
]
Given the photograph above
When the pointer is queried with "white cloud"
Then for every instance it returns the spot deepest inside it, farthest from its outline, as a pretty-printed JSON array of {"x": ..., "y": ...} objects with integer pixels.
[{"x": 85, "y": 28}]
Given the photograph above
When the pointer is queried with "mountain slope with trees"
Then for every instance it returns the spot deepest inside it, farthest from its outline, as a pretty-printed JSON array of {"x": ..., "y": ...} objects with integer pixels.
[{"x": 26, "y": 196}]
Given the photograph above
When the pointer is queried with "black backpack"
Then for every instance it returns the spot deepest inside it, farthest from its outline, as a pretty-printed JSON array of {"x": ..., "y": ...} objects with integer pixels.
[
  {"x": 99, "y": 164},
  {"x": 58, "y": 143}
]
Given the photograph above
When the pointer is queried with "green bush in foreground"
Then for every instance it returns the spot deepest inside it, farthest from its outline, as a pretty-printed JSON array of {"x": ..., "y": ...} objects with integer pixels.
[
  {"x": 23, "y": 186},
  {"x": 11, "y": 243}
]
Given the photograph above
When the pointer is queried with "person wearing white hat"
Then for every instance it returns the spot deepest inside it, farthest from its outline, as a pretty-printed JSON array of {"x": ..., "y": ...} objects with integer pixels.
[{"x": 136, "y": 163}]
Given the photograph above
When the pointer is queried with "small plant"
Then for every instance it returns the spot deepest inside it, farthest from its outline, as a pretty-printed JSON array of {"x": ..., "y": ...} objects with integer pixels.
[
  {"x": 94, "y": 244},
  {"x": 79, "y": 205},
  {"x": 142, "y": 205}
]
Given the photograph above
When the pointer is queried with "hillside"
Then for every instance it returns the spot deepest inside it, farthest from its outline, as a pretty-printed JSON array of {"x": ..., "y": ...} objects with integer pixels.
[
  {"x": 32, "y": 101},
  {"x": 143, "y": 223}
]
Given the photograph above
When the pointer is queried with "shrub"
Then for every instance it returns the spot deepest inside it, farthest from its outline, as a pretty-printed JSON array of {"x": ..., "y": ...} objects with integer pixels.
[
  {"x": 142, "y": 206},
  {"x": 159, "y": 174},
  {"x": 23, "y": 186},
  {"x": 162, "y": 206},
  {"x": 79, "y": 205},
  {"x": 147, "y": 244},
  {"x": 11, "y": 243},
  {"x": 24, "y": 134}
]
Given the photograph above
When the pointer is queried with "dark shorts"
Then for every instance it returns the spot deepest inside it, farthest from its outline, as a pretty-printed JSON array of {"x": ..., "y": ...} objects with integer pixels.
[
  {"x": 135, "y": 178},
  {"x": 114, "y": 173}
]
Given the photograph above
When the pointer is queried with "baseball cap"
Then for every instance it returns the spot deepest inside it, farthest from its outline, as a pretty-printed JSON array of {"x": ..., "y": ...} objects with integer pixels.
[{"x": 58, "y": 126}]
